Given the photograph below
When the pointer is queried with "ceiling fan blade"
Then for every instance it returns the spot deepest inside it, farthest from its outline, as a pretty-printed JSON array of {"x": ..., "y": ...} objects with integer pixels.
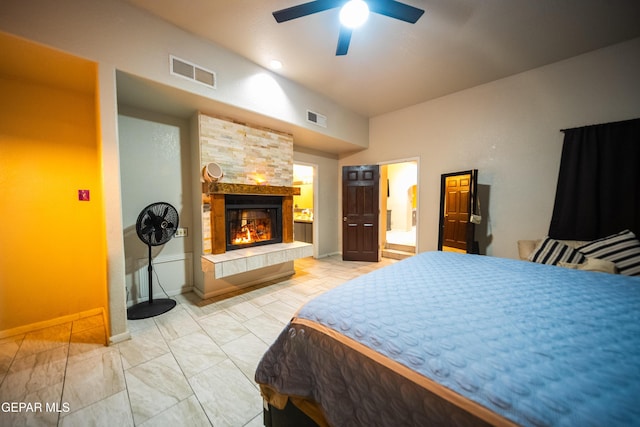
[
  {"x": 394, "y": 9},
  {"x": 305, "y": 9},
  {"x": 343, "y": 41}
]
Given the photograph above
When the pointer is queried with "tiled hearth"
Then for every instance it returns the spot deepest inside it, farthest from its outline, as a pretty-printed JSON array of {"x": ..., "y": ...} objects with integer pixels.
[{"x": 243, "y": 260}]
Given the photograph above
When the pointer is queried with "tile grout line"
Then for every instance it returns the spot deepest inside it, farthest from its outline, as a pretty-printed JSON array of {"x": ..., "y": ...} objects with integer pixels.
[
  {"x": 126, "y": 386},
  {"x": 64, "y": 376},
  {"x": 13, "y": 360},
  {"x": 194, "y": 394}
]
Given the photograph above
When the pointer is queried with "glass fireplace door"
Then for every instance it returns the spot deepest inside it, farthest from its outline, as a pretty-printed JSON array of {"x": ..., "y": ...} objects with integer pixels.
[{"x": 253, "y": 221}]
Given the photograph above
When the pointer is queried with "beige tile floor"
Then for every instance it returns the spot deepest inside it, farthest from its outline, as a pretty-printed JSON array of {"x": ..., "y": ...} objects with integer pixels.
[{"x": 192, "y": 366}]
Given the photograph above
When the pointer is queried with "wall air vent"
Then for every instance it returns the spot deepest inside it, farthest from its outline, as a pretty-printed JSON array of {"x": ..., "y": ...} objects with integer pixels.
[
  {"x": 317, "y": 118},
  {"x": 188, "y": 70}
]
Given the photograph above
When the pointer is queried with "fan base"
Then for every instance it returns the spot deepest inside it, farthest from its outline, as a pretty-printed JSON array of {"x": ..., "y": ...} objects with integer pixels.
[{"x": 144, "y": 310}]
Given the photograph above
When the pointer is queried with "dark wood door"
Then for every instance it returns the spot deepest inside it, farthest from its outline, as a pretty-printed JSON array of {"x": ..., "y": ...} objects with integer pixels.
[
  {"x": 360, "y": 212},
  {"x": 457, "y": 211}
]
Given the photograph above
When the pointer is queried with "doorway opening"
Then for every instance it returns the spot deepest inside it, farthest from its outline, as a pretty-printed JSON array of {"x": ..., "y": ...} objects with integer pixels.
[
  {"x": 304, "y": 205},
  {"x": 458, "y": 214},
  {"x": 399, "y": 208}
]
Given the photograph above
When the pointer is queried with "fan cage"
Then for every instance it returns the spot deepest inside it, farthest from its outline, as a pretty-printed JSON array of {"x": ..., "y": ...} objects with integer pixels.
[{"x": 157, "y": 223}]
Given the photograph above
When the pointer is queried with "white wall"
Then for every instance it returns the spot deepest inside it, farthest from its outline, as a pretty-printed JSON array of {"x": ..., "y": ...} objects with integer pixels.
[
  {"x": 510, "y": 131},
  {"x": 326, "y": 215},
  {"x": 155, "y": 165}
]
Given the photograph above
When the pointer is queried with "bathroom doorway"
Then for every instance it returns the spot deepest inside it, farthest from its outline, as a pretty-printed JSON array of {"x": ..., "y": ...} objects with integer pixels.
[
  {"x": 304, "y": 209},
  {"x": 399, "y": 208}
]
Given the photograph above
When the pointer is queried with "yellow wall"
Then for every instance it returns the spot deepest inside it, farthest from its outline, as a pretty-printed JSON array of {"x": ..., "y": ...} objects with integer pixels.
[
  {"x": 52, "y": 249},
  {"x": 305, "y": 199}
]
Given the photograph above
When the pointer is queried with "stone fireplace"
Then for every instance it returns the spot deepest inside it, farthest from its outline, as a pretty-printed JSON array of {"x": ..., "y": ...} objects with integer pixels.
[{"x": 254, "y": 194}]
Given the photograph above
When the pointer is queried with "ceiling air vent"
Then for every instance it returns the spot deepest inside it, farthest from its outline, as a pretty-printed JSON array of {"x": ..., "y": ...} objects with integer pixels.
[
  {"x": 317, "y": 118},
  {"x": 188, "y": 70}
]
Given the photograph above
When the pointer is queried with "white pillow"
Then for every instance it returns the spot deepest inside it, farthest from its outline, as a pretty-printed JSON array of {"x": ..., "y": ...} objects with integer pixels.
[
  {"x": 526, "y": 248},
  {"x": 592, "y": 264}
]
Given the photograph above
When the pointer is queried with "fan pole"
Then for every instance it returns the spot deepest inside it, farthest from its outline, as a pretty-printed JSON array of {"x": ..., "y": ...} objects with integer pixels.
[
  {"x": 150, "y": 308},
  {"x": 150, "y": 271}
]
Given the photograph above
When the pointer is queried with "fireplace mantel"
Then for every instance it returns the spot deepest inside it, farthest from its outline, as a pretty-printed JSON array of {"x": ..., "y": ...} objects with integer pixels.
[
  {"x": 217, "y": 192},
  {"x": 267, "y": 190}
]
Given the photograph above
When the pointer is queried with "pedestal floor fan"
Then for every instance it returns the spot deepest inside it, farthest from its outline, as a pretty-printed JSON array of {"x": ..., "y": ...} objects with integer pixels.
[{"x": 156, "y": 225}]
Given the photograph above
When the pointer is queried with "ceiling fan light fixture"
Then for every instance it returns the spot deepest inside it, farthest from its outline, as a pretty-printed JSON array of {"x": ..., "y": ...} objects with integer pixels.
[{"x": 354, "y": 14}]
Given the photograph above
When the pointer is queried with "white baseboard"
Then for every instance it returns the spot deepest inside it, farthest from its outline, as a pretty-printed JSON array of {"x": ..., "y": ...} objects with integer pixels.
[
  {"x": 52, "y": 322},
  {"x": 329, "y": 254},
  {"x": 115, "y": 339}
]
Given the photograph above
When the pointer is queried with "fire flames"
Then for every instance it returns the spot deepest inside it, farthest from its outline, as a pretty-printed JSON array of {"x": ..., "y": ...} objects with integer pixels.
[{"x": 252, "y": 231}]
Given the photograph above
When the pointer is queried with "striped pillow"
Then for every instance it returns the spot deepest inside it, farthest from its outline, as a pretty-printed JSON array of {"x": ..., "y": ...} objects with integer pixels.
[
  {"x": 622, "y": 248},
  {"x": 550, "y": 251}
]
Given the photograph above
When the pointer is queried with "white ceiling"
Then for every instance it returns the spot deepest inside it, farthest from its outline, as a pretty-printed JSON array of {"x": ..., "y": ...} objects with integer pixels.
[{"x": 456, "y": 44}]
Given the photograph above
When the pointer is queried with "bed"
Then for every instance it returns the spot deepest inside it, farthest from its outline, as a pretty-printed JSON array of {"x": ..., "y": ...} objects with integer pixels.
[{"x": 454, "y": 339}]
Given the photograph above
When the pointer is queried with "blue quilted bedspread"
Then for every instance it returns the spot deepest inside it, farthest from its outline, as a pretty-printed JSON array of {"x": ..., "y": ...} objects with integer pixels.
[{"x": 538, "y": 345}]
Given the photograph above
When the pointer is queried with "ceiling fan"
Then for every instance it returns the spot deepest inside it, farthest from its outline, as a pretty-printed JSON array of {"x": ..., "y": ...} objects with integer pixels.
[{"x": 358, "y": 10}]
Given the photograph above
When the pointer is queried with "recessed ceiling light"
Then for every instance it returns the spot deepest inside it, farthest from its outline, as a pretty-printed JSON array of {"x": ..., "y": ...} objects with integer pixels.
[
  {"x": 275, "y": 64},
  {"x": 354, "y": 13}
]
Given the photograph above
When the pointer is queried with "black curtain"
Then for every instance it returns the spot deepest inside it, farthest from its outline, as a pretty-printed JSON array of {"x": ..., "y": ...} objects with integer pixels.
[{"x": 598, "y": 192}]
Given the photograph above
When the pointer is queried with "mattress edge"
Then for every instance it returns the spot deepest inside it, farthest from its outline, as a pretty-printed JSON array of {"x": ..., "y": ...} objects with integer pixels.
[{"x": 446, "y": 393}]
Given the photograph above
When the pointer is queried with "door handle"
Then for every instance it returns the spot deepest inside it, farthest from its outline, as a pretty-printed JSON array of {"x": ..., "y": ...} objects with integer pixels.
[{"x": 344, "y": 219}]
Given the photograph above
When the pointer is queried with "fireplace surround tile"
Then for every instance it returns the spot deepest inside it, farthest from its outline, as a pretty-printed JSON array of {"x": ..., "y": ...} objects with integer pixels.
[
  {"x": 243, "y": 260},
  {"x": 235, "y": 266},
  {"x": 257, "y": 261},
  {"x": 247, "y": 153},
  {"x": 218, "y": 272}
]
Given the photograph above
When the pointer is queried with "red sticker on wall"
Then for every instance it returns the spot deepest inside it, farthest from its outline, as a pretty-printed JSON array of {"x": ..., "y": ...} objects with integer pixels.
[{"x": 83, "y": 195}]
